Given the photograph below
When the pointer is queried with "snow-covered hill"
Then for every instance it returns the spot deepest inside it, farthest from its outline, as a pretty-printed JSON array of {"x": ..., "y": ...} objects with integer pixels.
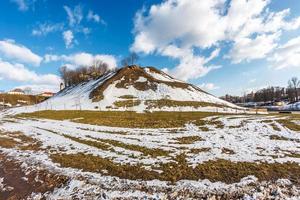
[{"x": 137, "y": 89}]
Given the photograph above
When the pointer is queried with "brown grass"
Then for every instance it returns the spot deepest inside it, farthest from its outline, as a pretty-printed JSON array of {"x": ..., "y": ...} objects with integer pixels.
[
  {"x": 227, "y": 151},
  {"x": 106, "y": 131},
  {"x": 127, "y": 97},
  {"x": 203, "y": 128},
  {"x": 199, "y": 150},
  {"x": 289, "y": 124},
  {"x": 127, "y": 103},
  {"x": 25, "y": 143},
  {"x": 216, "y": 170},
  {"x": 293, "y": 155},
  {"x": 8, "y": 142},
  {"x": 128, "y": 77},
  {"x": 172, "y": 103},
  {"x": 13, "y": 99},
  {"x": 188, "y": 139},
  {"x": 98, "y": 164},
  {"x": 213, "y": 122},
  {"x": 129, "y": 119},
  {"x": 99, "y": 145},
  {"x": 272, "y": 124},
  {"x": 146, "y": 151},
  {"x": 277, "y": 137},
  {"x": 37, "y": 181},
  {"x": 275, "y": 127}
]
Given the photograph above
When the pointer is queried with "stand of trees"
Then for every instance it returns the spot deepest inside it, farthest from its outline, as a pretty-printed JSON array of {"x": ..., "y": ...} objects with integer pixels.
[
  {"x": 82, "y": 74},
  {"x": 270, "y": 94}
]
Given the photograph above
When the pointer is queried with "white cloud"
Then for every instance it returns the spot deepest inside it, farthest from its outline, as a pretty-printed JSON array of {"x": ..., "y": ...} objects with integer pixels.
[
  {"x": 94, "y": 17},
  {"x": 252, "y": 80},
  {"x": 45, "y": 28},
  {"x": 178, "y": 20},
  {"x": 23, "y": 5},
  {"x": 208, "y": 86},
  {"x": 74, "y": 16},
  {"x": 18, "y": 72},
  {"x": 246, "y": 49},
  {"x": 20, "y": 53},
  {"x": 68, "y": 38},
  {"x": 86, "y": 31},
  {"x": 190, "y": 66},
  {"x": 249, "y": 25},
  {"x": 82, "y": 59},
  {"x": 287, "y": 55}
]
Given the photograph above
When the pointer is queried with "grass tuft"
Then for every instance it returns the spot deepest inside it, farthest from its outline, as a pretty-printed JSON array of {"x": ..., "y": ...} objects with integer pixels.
[{"x": 189, "y": 139}]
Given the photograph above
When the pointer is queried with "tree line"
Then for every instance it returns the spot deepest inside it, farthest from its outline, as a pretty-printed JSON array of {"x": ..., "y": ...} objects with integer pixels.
[{"x": 290, "y": 93}]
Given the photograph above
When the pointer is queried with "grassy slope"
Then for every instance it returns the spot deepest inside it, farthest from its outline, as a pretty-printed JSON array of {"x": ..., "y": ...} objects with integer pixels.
[{"x": 13, "y": 99}]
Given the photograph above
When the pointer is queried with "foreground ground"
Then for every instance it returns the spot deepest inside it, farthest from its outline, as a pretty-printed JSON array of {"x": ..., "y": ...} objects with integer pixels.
[{"x": 106, "y": 155}]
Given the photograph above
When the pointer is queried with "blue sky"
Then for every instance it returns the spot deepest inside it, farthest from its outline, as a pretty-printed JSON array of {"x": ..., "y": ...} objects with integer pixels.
[{"x": 223, "y": 46}]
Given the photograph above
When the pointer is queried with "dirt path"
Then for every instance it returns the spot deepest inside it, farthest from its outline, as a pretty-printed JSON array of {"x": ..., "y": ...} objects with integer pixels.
[{"x": 18, "y": 184}]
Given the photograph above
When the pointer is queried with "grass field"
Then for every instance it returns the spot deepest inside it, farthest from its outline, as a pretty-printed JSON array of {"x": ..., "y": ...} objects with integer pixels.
[
  {"x": 178, "y": 149},
  {"x": 125, "y": 119}
]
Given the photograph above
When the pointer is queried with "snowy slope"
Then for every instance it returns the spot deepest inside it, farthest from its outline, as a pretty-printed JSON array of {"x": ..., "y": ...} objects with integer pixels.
[{"x": 136, "y": 89}]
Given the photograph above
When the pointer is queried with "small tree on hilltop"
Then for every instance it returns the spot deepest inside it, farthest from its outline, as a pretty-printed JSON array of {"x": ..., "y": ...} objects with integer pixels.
[{"x": 131, "y": 59}]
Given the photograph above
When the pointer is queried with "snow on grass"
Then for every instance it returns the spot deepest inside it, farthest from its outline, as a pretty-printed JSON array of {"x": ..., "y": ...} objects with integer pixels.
[
  {"x": 248, "y": 137},
  {"x": 236, "y": 138}
]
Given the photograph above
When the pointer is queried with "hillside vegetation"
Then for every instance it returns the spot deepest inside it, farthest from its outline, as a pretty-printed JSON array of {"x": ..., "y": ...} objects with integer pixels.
[{"x": 21, "y": 99}]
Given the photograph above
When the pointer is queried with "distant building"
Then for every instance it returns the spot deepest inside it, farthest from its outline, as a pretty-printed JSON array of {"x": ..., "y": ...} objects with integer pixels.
[
  {"x": 16, "y": 91},
  {"x": 47, "y": 94}
]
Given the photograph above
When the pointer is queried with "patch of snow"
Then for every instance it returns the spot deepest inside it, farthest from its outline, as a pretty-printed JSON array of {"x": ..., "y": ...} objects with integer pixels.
[{"x": 141, "y": 79}]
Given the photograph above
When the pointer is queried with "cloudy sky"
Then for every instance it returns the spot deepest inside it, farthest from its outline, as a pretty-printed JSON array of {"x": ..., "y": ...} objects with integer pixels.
[{"x": 223, "y": 46}]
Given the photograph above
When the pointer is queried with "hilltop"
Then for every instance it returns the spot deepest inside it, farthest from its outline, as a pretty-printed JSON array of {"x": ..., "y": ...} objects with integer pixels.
[{"x": 138, "y": 89}]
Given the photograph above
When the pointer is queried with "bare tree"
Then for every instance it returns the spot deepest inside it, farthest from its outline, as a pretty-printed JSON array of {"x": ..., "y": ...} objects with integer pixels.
[
  {"x": 131, "y": 59},
  {"x": 28, "y": 90},
  {"x": 294, "y": 84},
  {"x": 82, "y": 74},
  {"x": 63, "y": 74}
]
